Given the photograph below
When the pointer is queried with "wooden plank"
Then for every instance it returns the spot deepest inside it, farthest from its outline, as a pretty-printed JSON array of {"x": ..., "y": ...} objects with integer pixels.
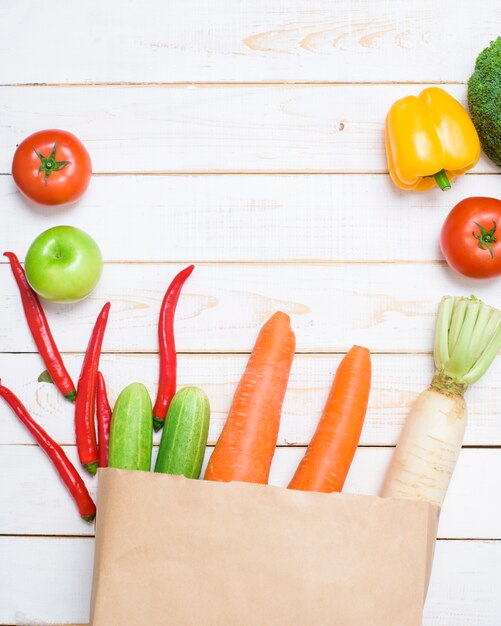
[
  {"x": 35, "y": 502},
  {"x": 254, "y": 41},
  {"x": 250, "y": 218},
  {"x": 314, "y": 128},
  {"x": 386, "y": 306},
  {"x": 463, "y": 590},
  {"x": 397, "y": 379},
  {"x": 45, "y": 580}
]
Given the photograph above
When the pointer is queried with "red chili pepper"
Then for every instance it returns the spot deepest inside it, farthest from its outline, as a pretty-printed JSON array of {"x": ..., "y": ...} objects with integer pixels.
[
  {"x": 40, "y": 330},
  {"x": 63, "y": 465},
  {"x": 85, "y": 405},
  {"x": 167, "y": 348},
  {"x": 104, "y": 414}
]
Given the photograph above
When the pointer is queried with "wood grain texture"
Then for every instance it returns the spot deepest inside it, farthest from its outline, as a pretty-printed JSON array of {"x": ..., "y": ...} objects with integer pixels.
[
  {"x": 463, "y": 590},
  {"x": 35, "y": 594},
  {"x": 249, "y": 218},
  {"x": 465, "y": 586},
  {"x": 273, "y": 40},
  {"x": 34, "y": 501},
  {"x": 241, "y": 228},
  {"x": 313, "y": 128},
  {"x": 397, "y": 379},
  {"x": 389, "y": 307}
]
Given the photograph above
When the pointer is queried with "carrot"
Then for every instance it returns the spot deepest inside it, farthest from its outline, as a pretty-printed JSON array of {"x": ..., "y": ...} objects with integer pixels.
[
  {"x": 244, "y": 450},
  {"x": 328, "y": 458}
]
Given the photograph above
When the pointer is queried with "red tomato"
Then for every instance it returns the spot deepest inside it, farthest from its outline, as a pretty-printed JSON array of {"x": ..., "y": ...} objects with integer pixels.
[
  {"x": 470, "y": 240},
  {"x": 52, "y": 167}
]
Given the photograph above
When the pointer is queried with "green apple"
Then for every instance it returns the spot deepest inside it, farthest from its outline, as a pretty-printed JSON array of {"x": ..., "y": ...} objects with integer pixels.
[{"x": 63, "y": 264}]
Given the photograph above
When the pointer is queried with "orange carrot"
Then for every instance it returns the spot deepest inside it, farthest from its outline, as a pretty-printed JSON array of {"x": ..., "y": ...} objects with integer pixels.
[
  {"x": 328, "y": 458},
  {"x": 244, "y": 450}
]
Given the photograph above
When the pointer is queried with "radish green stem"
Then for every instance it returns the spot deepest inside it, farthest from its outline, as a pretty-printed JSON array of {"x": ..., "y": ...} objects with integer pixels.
[
  {"x": 442, "y": 334},
  {"x": 459, "y": 311},
  {"x": 467, "y": 339}
]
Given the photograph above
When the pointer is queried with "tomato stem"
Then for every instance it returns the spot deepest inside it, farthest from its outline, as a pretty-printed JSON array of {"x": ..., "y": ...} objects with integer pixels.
[
  {"x": 486, "y": 237},
  {"x": 50, "y": 164}
]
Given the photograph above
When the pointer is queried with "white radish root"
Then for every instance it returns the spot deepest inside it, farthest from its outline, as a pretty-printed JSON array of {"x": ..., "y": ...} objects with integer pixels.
[
  {"x": 467, "y": 340},
  {"x": 429, "y": 446}
]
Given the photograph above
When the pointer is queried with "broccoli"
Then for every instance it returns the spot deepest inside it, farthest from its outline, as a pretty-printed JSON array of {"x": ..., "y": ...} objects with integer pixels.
[{"x": 484, "y": 99}]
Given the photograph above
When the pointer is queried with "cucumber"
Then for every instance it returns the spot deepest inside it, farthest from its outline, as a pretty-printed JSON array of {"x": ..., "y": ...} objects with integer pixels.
[
  {"x": 131, "y": 434},
  {"x": 184, "y": 436}
]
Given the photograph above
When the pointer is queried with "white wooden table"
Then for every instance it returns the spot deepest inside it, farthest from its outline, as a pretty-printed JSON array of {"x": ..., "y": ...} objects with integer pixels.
[{"x": 246, "y": 137}]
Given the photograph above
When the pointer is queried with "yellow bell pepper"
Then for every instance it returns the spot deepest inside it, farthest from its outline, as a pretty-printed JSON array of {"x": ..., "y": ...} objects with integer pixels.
[{"x": 430, "y": 140}]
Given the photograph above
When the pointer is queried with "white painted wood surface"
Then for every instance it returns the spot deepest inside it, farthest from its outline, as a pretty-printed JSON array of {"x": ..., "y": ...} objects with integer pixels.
[
  {"x": 217, "y": 128},
  {"x": 390, "y": 307},
  {"x": 239, "y": 217},
  {"x": 205, "y": 150},
  {"x": 270, "y": 40}
]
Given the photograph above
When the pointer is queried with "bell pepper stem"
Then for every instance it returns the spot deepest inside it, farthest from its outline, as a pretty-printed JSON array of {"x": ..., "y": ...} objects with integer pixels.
[{"x": 442, "y": 180}]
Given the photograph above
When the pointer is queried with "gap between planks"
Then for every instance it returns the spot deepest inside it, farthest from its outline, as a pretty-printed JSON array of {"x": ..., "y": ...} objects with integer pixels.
[
  {"x": 76, "y": 536},
  {"x": 262, "y": 83},
  {"x": 202, "y": 353},
  {"x": 250, "y": 172},
  {"x": 469, "y": 446},
  {"x": 292, "y": 173},
  {"x": 205, "y": 263}
]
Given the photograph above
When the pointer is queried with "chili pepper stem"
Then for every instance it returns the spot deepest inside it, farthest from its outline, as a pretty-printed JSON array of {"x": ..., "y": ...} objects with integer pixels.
[
  {"x": 91, "y": 468},
  {"x": 158, "y": 424},
  {"x": 45, "y": 377},
  {"x": 88, "y": 518},
  {"x": 442, "y": 180}
]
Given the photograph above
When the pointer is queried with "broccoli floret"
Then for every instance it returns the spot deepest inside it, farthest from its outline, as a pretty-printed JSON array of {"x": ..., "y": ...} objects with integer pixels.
[{"x": 484, "y": 100}]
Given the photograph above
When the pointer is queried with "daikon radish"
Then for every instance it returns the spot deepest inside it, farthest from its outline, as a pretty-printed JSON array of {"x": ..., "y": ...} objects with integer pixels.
[{"x": 467, "y": 339}]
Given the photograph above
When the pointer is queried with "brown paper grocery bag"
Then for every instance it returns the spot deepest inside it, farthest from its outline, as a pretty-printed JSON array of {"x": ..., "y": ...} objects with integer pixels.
[{"x": 196, "y": 553}]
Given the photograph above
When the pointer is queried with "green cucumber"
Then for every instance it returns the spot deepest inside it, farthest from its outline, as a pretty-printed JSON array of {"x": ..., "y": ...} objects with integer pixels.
[
  {"x": 131, "y": 434},
  {"x": 184, "y": 436}
]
